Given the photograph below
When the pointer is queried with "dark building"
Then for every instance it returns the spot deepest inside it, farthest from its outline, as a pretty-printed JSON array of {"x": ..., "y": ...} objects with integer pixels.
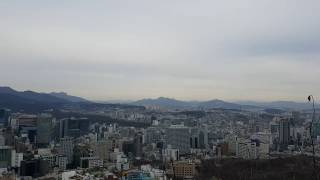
[
  {"x": 28, "y": 125},
  {"x": 27, "y": 121},
  {"x": 284, "y": 133},
  {"x": 31, "y": 132},
  {"x": 8, "y": 134},
  {"x": 128, "y": 147},
  {"x": 199, "y": 138},
  {"x": 34, "y": 168},
  {"x": 4, "y": 116},
  {"x": 44, "y": 130},
  {"x": 73, "y": 127},
  {"x": 194, "y": 142},
  {"x": 63, "y": 128},
  {"x": 79, "y": 151},
  {"x": 5, "y": 156},
  {"x": 138, "y": 141}
]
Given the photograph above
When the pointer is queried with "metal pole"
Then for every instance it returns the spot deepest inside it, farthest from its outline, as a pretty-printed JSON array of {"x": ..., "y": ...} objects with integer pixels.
[{"x": 311, "y": 135}]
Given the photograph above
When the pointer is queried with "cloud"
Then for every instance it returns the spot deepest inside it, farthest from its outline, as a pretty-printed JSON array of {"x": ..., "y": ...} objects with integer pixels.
[{"x": 263, "y": 50}]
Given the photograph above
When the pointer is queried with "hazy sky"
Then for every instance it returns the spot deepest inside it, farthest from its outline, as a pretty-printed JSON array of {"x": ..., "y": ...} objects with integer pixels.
[{"x": 186, "y": 49}]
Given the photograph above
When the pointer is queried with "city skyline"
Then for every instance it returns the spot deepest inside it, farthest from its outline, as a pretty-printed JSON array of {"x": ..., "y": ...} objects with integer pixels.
[{"x": 248, "y": 50}]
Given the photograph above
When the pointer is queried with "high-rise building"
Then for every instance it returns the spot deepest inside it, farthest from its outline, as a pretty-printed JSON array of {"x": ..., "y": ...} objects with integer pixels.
[
  {"x": 2, "y": 140},
  {"x": 4, "y": 116},
  {"x": 73, "y": 127},
  {"x": 194, "y": 142},
  {"x": 16, "y": 159},
  {"x": 44, "y": 129},
  {"x": 27, "y": 124},
  {"x": 284, "y": 132},
  {"x": 138, "y": 142},
  {"x": 316, "y": 129},
  {"x": 5, "y": 156},
  {"x": 69, "y": 127},
  {"x": 178, "y": 136},
  {"x": 199, "y": 137},
  {"x": 203, "y": 136},
  {"x": 66, "y": 148},
  {"x": 194, "y": 138}
]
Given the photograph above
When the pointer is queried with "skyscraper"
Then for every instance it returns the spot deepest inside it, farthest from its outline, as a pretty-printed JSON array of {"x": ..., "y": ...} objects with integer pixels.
[
  {"x": 73, "y": 127},
  {"x": 284, "y": 132},
  {"x": 5, "y": 156},
  {"x": 44, "y": 129},
  {"x": 178, "y": 136},
  {"x": 138, "y": 141},
  {"x": 199, "y": 137},
  {"x": 4, "y": 116}
]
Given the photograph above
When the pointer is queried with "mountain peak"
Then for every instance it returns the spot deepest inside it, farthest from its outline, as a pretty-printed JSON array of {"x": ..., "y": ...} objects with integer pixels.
[
  {"x": 165, "y": 98},
  {"x": 6, "y": 89},
  {"x": 59, "y": 93},
  {"x": 67, "y": 97},
  {"x": 33, "y": 96},
  {"x": 173, "y": 103},
  {"x": 215, "y": 100}
]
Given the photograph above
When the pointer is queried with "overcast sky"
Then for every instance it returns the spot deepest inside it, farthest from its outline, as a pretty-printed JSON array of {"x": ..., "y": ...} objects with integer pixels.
[{"x": 186, "y": 49}]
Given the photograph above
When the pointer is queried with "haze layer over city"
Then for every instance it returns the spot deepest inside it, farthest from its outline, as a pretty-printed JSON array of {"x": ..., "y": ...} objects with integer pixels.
[{"x": 160, "y": 90}]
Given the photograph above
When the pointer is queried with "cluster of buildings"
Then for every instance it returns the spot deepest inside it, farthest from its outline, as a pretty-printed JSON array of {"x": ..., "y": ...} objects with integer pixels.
[
  {"x": 172, "y": 146},
  {"x": 41, "y": 146},
  {"x": 284, "y": 135}
]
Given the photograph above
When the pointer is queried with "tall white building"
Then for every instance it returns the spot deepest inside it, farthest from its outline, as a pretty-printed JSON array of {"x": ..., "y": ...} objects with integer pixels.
[
  {"x": 122, "y": 162},
  {"x": 169, "y": 154},
  {"x": 62, "y": 162},
  {"x": 265, "y": 140},
  {"x": 16, "y": 158},
  {"x": 246, "y": 149}
]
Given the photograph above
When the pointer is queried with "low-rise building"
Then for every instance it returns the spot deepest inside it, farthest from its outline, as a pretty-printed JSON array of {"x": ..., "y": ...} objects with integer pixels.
[{"x": 184, "y": 169}]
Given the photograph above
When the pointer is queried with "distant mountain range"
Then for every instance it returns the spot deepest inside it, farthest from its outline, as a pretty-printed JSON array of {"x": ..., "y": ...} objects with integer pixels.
[
  {"x": 34, "y": 101},
  {"x": 65, "y": 96},
  {"x": 7, "y": 93},
  {"x": 11, "y": 98},
  {"x": 164, "y": 102},
  {"x": 34, "y": 97},
  {"x": 279, "y": 104},
  {"x": 178, "y": 104},
  {"x": 216, "y": 103}
]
